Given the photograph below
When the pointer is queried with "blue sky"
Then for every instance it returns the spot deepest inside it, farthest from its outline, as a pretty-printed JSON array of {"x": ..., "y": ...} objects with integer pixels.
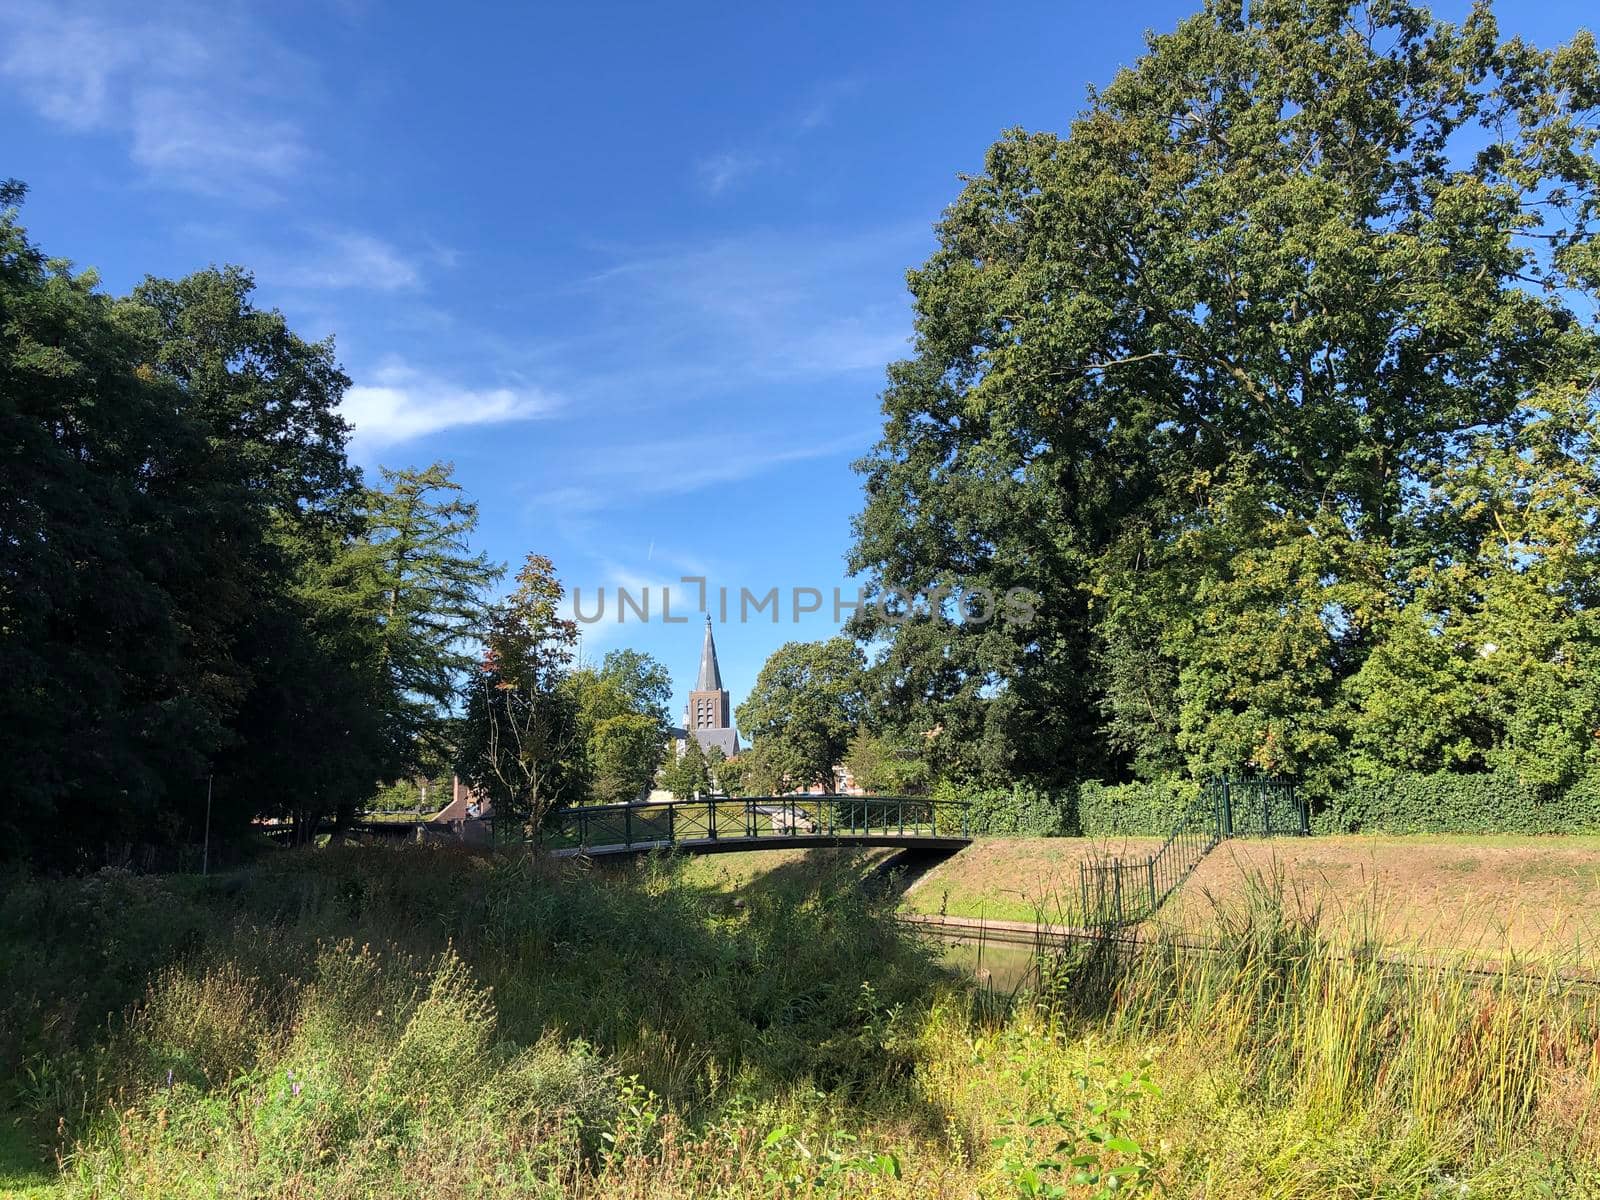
[{"x": 635, "y": 269}]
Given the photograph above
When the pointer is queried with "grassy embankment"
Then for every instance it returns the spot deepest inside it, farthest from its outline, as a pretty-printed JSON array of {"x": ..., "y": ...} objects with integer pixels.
[
  {"x": 406, "y": 1021},
  {"x": 1475, "y": 896}
]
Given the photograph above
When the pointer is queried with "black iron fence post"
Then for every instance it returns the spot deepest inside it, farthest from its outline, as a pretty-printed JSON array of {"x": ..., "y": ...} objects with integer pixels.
[{"x": 1227, "y": 807}]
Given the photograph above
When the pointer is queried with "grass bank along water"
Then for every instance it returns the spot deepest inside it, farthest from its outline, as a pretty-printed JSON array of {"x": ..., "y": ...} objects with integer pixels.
[{"x": 410, "y": 1021}]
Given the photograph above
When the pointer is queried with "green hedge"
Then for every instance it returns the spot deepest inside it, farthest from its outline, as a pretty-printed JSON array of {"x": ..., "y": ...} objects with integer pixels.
[
  {"x": 1407, "y": 803},
  {"x": 1133, "y": 809},
  {"x": 1089, "y": 810},
  {"x": 1021, "y": 810},
  {"x": 1450, "y": 803}
]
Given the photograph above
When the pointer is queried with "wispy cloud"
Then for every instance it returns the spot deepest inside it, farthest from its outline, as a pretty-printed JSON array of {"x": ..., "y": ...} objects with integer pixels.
[
  {"x": 719, "y": 172},
  {"x": 595, "y": 583},
  {"x": 594, "y": 593},
  {"x": 819, "y": 107},
  {"x": 351, "y": 260},
  {"x": 623, "y": 475},
  {"x": 308, "y": 257},
  {"x": 195, "y": 89},
  {"x": 758, "y": 307},
  {"x": 402, "y": 403}
]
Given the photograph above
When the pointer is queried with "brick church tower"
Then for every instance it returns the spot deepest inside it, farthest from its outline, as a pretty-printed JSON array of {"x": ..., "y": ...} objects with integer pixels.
[{"x": 709, "y": 716}]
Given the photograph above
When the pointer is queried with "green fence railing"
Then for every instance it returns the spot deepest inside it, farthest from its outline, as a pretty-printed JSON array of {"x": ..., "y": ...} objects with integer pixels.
[
  {"x": 748, "y": 819},
  {"x": 1126, "y": 889},
  {"x": 1259, "y": 806}
]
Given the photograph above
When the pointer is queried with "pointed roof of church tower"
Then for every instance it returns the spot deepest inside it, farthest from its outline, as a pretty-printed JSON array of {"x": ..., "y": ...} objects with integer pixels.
[{"x": 710, "y": 677}]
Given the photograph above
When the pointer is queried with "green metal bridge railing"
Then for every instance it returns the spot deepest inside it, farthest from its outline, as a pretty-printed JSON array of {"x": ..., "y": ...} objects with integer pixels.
[
  {"x": 751, "y": 819},
  {"x": 1126, "y": 890}
]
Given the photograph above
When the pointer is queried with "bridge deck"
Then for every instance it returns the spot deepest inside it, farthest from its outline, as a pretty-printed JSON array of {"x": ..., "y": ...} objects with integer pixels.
[
  {"x": 798, "y": 841},
  {"x": 719, "y": 824}
]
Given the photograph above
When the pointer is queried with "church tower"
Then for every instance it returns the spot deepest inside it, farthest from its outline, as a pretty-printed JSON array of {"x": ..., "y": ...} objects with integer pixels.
[{"x": 709, "y": 717}]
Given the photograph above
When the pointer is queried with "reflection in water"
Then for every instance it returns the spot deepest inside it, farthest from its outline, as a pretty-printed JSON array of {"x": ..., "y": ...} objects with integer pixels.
[{"x": 1003, "y": 966}]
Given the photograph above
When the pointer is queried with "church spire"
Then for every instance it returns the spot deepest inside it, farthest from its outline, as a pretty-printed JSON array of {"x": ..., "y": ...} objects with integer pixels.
[
  {"x": 710, "y": 677},
  {"x": 708, "y": 716}
]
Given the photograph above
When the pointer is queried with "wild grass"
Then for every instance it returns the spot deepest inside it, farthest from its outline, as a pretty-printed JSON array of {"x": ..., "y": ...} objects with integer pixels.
[{"x": 415, "y": 1022}]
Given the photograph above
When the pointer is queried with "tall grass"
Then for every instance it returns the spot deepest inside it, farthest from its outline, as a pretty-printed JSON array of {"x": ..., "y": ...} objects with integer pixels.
[
  {"x": 407, "y": 1021},
  {"x": 1436, "y": 1074}
]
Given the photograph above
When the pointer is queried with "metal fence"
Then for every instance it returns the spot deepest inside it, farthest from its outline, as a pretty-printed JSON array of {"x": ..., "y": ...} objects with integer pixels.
[
  {"x": 1259, "y": 806},
  {"x": 1126, "y": 890},
  {"x": 621, "y": 827}
]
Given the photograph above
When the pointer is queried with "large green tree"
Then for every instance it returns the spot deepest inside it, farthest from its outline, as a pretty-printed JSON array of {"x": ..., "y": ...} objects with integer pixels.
[
  {"x": 314, "y": 728},
  {"x": 195, "y": 589},
  {"x": 522, "y": 737},
  {"x": 622, "y": 707},
  {"x": 412, "y": 575},
  {"x": 175, "y": 494},
  {"x": 685, "y": 772},
  {"x": 125, "y": 566},
  {"x": 1197, "y": 371},
  {"x": 806, "y": 705}
]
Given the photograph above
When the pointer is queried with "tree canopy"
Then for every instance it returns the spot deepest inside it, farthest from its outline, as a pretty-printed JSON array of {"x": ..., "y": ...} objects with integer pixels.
[
  {"x": 622, "y": 706},
  {"x": 1273, "y": 378},
  {"x": 198, "y": 593},
  {"x": 805, "y": 707},
  {"x": 522, "y": 738}
]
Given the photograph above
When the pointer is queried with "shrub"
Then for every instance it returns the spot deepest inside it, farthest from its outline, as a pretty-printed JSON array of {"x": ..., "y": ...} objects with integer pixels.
[
  {"x": 441, "y": 1052},
  {"x": 1133, "y": 809},
  {"x": 1021, "y": 810},
  {"x": 1444, "y": 802},
  {"x": 1090, "y": 809},
  {"x": 203, "y": 1029}
]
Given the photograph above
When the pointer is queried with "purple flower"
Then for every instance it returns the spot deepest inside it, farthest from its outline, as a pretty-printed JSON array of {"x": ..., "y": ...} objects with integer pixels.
[{"x": 297, "y": 1089}]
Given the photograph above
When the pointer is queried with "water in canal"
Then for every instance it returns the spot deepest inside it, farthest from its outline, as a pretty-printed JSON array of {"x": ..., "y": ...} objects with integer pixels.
[{"x": 1004, "y": 966}]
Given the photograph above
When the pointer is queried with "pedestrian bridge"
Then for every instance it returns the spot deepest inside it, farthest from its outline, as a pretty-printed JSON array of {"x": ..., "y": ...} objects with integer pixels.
[{"x": 722, "y": 823}]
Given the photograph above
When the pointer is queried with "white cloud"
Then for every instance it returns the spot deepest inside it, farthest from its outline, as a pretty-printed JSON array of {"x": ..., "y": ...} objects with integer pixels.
[
  {"x": 759, "y": 307},
  {"x": 404, "y": 403},
  {"x": 196, "y": 90},
  {"x": 596, "y": 593},
  {"x": 176, "y": 138},
  {"x": 352, "y": 260}
]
